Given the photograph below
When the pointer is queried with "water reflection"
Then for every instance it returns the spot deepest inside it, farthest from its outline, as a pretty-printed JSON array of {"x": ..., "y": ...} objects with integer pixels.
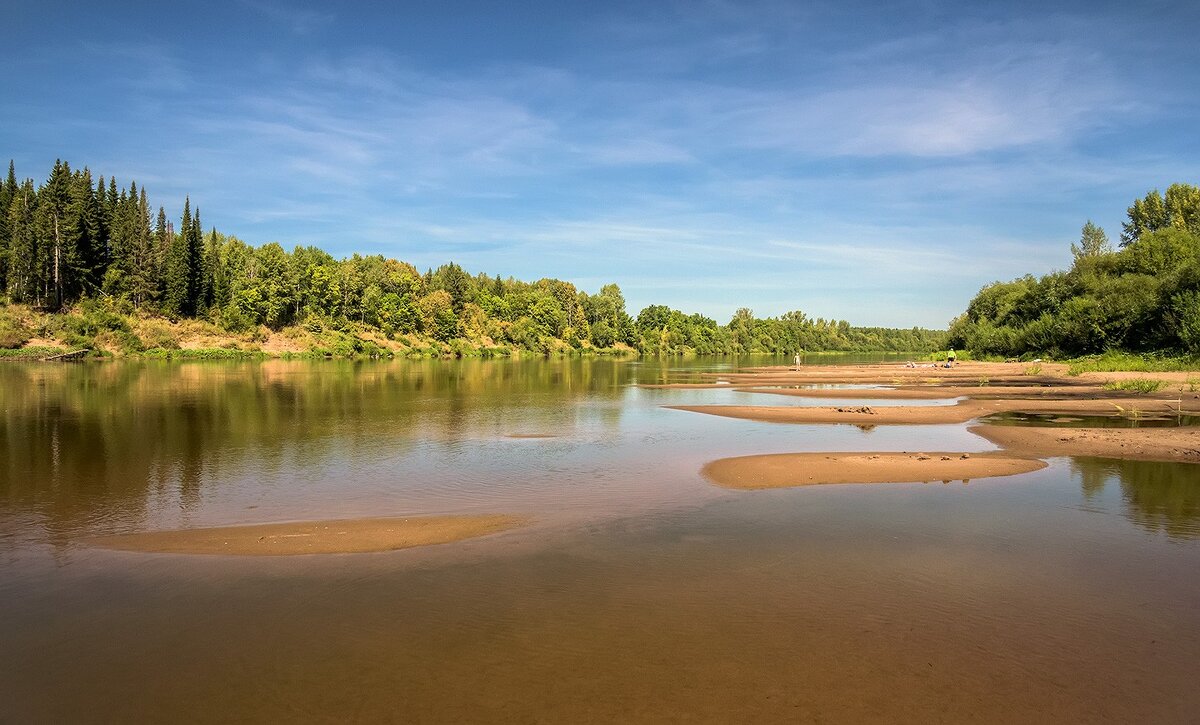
[
  {"x": 1157, "y": 496},
  {"x": 80, "y": 442}
]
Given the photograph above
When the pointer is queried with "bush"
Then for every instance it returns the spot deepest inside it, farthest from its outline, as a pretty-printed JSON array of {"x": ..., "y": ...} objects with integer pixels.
[{"x": 13, "y": 333}]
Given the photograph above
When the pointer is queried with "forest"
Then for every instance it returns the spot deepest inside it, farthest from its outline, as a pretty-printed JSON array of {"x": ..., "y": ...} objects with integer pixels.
[
  {"x": 92, "y": 263},
  {"x": 1141, "y": 297}
]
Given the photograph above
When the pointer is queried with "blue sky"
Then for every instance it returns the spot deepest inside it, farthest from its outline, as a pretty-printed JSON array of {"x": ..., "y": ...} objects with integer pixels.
[{"x": 876, "y": 162}]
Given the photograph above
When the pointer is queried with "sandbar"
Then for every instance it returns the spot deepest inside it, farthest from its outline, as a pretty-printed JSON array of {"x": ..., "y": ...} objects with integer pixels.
[
  {"x": 781, "y": 470},
  {"x": 1147, "y": 444},
  {"x": 348, "y": 536},
  {"x": 961, "y": 412}
]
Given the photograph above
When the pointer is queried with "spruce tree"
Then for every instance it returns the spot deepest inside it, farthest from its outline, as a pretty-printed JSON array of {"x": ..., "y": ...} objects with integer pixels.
[
  {"x": 176, "y": 288},
  {"x": 85, "y": 250},
  {"x": 142, "y": 287},
  {"x": 24, "y": 273},
  {"x": 199, "y": 282},
  {"x": 7, "y": 191},
  {"x": 52, "y": 230}
]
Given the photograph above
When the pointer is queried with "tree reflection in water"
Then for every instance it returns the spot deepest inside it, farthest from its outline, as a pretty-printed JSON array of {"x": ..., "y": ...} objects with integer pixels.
[{"x": 1158, "y": 496}]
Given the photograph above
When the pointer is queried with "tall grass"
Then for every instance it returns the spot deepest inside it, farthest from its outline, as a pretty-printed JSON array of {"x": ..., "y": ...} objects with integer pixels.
[
  {"x": 1137, "y": 385},
  {"x": 1123, "y": 361}
]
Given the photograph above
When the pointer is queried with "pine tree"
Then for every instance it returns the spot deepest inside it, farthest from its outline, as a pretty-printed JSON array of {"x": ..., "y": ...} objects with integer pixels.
[
  {"x": 142, "y": 287},
  {"x": 8, "y": 190},
  {"x": 176, "y": 288},
  {"x": 51, "y": 228},
  {"x": 24, "y": 273},
  {"x": 199, "y": 281},
  {"x": 85, "y": 253}
]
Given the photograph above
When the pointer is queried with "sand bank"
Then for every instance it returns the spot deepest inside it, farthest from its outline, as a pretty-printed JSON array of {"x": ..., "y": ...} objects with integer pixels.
[
  {"x": 313, "y": 537},
  {"x": 941, "y": 392},
  {"x": 807, "y": 469},
  {"x": 961, "y": 412},
  {"x": 1147, "y": 444}
]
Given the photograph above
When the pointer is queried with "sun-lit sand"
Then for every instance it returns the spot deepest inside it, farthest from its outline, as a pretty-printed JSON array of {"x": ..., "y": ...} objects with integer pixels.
[
  {"x": 806, "y": 469},
  {"x": 313, "y": 537},
  {"x": 961, "y": 412},
  {"x": 981, "y": 389}
]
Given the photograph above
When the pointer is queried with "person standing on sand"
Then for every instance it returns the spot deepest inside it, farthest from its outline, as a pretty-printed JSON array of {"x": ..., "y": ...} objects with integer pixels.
[
  {"x": 950, "y": 357},
  {"x": 797, "y": 361}
]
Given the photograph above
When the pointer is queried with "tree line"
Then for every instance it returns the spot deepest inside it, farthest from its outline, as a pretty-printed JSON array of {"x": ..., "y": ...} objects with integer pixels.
[
  {"x": 1143, "y": 296},
  {"x": 77, "y": 238}
]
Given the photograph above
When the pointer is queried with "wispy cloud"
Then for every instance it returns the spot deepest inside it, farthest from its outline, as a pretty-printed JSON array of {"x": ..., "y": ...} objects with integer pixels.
[
  {"x": 299, "y": 21},
  {"x": 774, "y": 151}
]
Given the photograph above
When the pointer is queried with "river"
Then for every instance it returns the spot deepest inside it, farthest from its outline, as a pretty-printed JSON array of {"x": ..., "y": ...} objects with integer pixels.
[{"x": 638, "y": 591}]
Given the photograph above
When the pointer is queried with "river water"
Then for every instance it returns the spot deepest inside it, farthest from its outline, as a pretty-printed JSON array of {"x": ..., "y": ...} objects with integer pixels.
[{"x": 639, "y": 592}]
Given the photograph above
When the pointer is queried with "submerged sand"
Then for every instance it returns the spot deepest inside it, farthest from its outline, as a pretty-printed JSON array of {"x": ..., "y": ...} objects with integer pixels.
[
  {"x": 781, "y": 470},
  {"x": 350, "y": 536}
]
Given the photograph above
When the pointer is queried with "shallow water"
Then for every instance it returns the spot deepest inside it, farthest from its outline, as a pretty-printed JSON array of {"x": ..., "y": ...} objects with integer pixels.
[{"x": 640, "y": 593}]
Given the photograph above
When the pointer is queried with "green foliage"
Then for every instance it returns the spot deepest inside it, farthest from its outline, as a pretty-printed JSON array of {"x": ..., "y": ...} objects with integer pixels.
[
  {"x": 30, "y": 353},
  {"x": 1142, "y": 298},
  {"x": 1114, "y": 361},
  {"x": 72, "y": 241},
  {"x": 14, "y": 332},
  {"x": 1138, "y": 385}
]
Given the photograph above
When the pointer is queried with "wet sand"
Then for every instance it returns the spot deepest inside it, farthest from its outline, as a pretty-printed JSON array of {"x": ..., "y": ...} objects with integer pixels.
[
  {"x": 350, "y": 536},
  {"x": 1145, "y": 444},
  {"x": 807, "y": 469}
]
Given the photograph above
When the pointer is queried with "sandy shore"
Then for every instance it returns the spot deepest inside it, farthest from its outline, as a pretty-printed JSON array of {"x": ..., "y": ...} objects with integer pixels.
[
  {"x": 807, "y": 469},
  {"x": 1147, "y": 444},
  {"x": 961, "y": 412},
  {"x": 313, "y": 537},
  {"x": 980, "y": 389},
  {"x": 965, "y": 374}
]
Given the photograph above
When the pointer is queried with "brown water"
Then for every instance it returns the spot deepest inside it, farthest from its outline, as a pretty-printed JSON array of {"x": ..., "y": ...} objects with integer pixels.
[{"x": 640, "y": 593}]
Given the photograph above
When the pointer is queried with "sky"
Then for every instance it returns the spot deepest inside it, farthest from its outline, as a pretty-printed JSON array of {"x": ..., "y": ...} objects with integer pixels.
[{"x": 876, "y": 162}]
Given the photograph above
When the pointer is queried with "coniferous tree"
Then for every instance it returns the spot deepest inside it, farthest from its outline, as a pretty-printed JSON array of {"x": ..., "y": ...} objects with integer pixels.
[
  {"x": 199, "y": 281},
  {"x": 142, "y": 286},
  {"x": 24, "y": 272},
  {"x": 84, "y": 255},
  {"x": 101, "y": 197},
  {"x": 176, "y": 278},
  {"x": 7, "y": 191},
  {"x": 52, "y": 229}
]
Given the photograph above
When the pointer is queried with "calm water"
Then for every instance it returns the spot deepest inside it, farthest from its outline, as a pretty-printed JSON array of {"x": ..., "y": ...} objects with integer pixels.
[{"x": 641, "y": 593}]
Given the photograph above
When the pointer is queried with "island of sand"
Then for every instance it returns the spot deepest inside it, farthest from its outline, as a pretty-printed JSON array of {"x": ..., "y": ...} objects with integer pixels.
[
  {"x": 780, "y": 470},
  {"x": 350, "y": 536},
  {"x": 978, "y": 390}
]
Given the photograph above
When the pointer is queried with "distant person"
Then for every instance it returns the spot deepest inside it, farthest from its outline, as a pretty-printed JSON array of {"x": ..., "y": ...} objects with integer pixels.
[
  {"x": 950, "y": 357},
  {"x": 797, "y": 361}
]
